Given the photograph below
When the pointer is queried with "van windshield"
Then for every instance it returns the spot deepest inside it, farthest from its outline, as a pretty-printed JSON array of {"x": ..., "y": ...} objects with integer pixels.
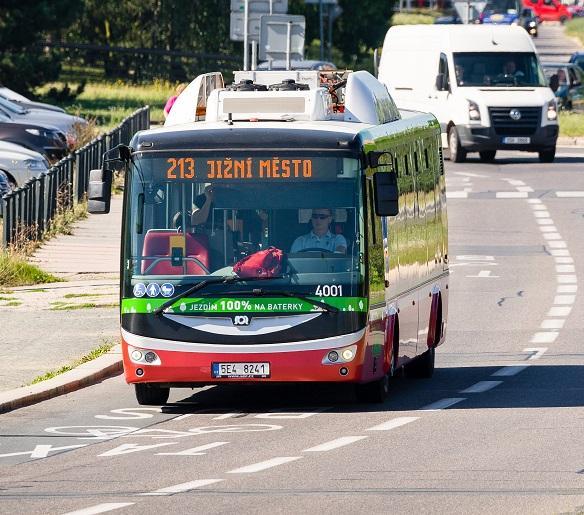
[{"x": 498, "y": 69}]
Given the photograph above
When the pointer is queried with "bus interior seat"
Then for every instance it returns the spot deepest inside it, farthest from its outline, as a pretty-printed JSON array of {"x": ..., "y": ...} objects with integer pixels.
[{"x": 157, "y": 245}]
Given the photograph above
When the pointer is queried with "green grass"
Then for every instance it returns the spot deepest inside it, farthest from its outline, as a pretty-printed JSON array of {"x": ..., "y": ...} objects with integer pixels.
[
  {"x": 14, "y": 303},
  {"x": 80, "y": 295},
  {"x": 575, "y": 28},
  {"x": 415, "y": 17},
  {"x": 16, "y": 271},
  {"x": 6, "y": 298},
  {"x": 65, "y": 306},
  {"x": 95, "y": 353},
  {"x": 109, "y": 103},
  {"x": 571, "y": 124}
]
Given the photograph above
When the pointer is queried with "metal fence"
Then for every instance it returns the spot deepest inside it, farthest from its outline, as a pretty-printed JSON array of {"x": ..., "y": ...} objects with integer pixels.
[{"x": 28, "y": 210}]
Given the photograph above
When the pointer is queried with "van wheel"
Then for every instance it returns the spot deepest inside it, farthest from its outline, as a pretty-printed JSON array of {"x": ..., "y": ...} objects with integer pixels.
[
  {"x": 488, "y": 156},
  {"x": 149, "y": 395},
  {"x": 423, "y": 366},
  {"x": 547, "y": 156},
  {"x": 457, "y": 154},
  {"x": 373, "y": 392},
  {"x": 563, "y": 20}
]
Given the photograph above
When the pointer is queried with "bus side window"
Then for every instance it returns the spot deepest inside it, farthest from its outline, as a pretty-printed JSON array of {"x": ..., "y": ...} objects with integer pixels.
[{"x": 376, "y": 260}]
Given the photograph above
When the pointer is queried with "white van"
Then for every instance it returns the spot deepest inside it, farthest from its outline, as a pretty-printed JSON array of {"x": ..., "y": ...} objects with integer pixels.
[{"x": 483, "y": 83}]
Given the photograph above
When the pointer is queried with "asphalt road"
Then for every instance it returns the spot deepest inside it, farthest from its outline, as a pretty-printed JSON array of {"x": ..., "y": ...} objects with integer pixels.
[{"x": 498, "y": 429}]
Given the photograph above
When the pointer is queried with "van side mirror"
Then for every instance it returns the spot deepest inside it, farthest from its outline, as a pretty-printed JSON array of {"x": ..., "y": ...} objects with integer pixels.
[
  {"x": 99, "y": 193},
  {"x": 386, "y": 194},
  {"x": 554, "y": 82},
  {"x": 441, "y": 82}
]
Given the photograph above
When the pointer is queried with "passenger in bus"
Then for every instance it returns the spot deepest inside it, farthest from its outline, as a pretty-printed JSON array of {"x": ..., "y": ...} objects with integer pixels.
[
  {"x": 204, "y": 203},
  {"x": 320, "y": 237}
]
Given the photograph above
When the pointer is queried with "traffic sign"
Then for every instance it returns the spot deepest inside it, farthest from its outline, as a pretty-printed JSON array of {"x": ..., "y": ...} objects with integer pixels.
[
  {"x": 236, "y": 27},
  {"x": 280, "y": 33},
  {"x": 260, "y": 6}
]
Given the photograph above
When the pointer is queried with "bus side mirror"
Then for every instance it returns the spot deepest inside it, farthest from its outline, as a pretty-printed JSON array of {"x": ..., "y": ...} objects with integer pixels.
[
  {"x": 441, "y": 82},
  {"x": 99, "y": 193},
  {"x": 386, "y": 194}
]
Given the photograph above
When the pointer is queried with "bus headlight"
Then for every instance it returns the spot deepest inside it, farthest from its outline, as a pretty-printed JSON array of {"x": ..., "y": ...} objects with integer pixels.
[
  {"x": 143, "y": 357},
  {"x": 344, "y": 355},
  {"x": 473, "y": 111},
  {"x": 552, "y": 110}
]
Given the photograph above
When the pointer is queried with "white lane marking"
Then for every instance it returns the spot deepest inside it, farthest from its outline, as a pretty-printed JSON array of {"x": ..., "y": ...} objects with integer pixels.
[
  {"x": 100, "y": 508},
  {"x": 335, "y": 444},
  {"x": 534, "y": 201},
  {"x": 471, "y": 174},
  {"x": 511, "y": 194},
  {"x": 537, "y": 352},
  {"x": 552, "y": 236},
  {"x": 41, "y": 451},
  {"x": 481, "y": 386},
  {"x": 559, "y": 252},
  {"x": 515, "y": 182},
  {"x": 526, "y": 189},
  {"x": 227, "y": 415},
  {"x": 194, "y": 451},
  {"x": 509, "y": 370},
  {"x": 183, "y": 487},
  {"x": 456, "y": 194},
  {"x": 565, "y": 269},
  {"x": 559, "y": 311},
  {"x": 128, "y": 448},
  {"x": 263, "y": 465},
  {"x": 564, "y": 299},
  {"x": 567, "y": 288},
  {"x": 557, "y": 244},
  {"x": 542, "y": 214},
  {"x": 564, "y": 260},
  {"x": 567, "y": 279},
  {"x": 442, "y": 404},
  {"x": 548, "y": 228},
  {"x": 182, "y": 417},
  {"x": 569, "y": 194},
  {"x": 549, "y": 337},
  {"x": 554, "y": 323},
  {"x": 544, "y": 221},
  {"x": 484, "y": 274},
  {"x": 392, "y": 424},
  {"x": 539, "y": 207}
]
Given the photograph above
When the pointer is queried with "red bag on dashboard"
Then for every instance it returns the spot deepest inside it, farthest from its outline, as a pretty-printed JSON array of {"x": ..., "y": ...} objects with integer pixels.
[{"x": 264, "y": 263}]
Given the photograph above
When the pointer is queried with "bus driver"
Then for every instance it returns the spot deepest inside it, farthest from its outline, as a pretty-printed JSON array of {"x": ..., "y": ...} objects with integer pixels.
[{"x": 320, "y": 237}]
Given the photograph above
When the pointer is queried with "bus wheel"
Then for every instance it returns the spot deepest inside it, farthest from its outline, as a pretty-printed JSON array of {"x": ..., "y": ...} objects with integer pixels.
[
  {"x": 457, "y": 153},
  {"x": 373, "y": 392},
  {"x": 487, "y": 156},
  {"x": 423, "y": 366},
  {"x": 148, "y": 395}
]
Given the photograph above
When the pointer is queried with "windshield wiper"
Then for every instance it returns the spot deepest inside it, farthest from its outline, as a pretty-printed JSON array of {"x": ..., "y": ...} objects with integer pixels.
[
  {"x": 262, "y": 293},
  {"x": 225, "y": 279}
]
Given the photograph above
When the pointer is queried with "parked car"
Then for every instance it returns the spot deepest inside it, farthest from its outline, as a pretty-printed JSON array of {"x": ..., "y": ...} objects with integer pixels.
[
  {"x": 10, "y": 94},
  {"x": 297, "y": 65},
  {"x": 48, "y": 141},
  {"x": 20, "y": 164},
  {"x": 569, "y": 80},
  {"x": 549, "y": 10},
  {"x": 4, "y": 186},
  {"x": 500, "y": 12},
  {"x": 62, "y": 121},
  {"x": 578, "y": 58},
  {"x": 528, "y": 21},
  {"x": 448, "y": 18}
]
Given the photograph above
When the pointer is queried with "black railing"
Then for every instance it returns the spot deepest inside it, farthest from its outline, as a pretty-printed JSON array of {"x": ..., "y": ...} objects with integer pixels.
[{"x": 28, "y": 211}]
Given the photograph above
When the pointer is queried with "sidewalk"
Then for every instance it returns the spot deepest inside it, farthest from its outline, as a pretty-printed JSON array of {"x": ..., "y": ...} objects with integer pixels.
[{"x": 47, "y": 326}]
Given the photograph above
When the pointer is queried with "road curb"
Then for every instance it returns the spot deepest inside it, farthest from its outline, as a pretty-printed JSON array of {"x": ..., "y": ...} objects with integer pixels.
[{"x": 87, "y": 374}]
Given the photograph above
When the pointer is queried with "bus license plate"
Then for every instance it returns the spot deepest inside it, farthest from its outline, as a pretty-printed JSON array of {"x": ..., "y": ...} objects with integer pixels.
[
  {"x": 522, "y": 140},
  {"x": 236, "y": 370}
]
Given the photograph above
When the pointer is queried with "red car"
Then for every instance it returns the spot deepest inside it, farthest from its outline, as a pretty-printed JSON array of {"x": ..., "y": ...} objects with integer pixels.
[{"x": 549, "y": 10}]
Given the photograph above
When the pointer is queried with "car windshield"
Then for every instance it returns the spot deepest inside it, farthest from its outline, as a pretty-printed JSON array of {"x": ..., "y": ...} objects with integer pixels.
[
  {"x": 11, "y": 106},
  {"x": 498, "y": 69},
  {"x": 195, "y": 216},
  {"x": 501, "y": 7}
]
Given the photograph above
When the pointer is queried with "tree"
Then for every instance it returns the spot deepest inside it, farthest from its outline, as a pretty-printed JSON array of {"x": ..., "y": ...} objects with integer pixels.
[{"x": 24, "y": 26}]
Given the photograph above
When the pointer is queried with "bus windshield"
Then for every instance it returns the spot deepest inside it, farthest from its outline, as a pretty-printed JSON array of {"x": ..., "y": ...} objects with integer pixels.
[
  {"x": 498, "y": 69},
  {"x": 194, "y": 216}
]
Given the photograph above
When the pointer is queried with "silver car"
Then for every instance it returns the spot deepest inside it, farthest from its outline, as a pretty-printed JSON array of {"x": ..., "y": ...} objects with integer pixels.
[
  {"x": 25, "y": 102},
  {"x": 62, "y": 121},
  {"x": 20, "y": 164}
]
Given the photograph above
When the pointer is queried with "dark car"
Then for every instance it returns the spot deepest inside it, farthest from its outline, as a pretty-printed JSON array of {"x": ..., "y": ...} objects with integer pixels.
[
  {"x": 578, "y": 58},
  {"x": 528, "y": 21},
  {"x": 567, "y": 81},
  {"x": 45, "y": 140}
]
